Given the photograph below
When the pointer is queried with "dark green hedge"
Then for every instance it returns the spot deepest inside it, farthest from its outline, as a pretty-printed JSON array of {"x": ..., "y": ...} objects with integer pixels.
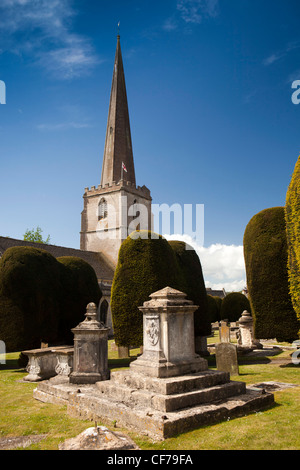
[
  {"x": 292, "y": 217},
  {"x": 80, "y": 287},
  {"x": 41, "y": 298},
  {"x": 145, "y": 265},
  {"x": 265, "y": 251},
  {"x": 214, "y": 307},
  {"x": 30, "y": 298},
  {"x": 233, "y": 306},
  {"x": 193, "y": 285}
]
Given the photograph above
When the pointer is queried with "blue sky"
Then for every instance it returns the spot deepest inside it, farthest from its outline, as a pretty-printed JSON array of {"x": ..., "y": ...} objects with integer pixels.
[{"x": 209, "y": 85}]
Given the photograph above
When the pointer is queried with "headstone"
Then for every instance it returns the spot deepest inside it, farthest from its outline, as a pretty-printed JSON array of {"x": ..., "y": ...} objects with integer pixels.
[
  {"x": 226, "y": 358},
  {"x": 224, "y": 332},
  {"x": 123, "y": 352},
  {"x": 2, "y": 352},
  {"x": 90, "y": 362}
]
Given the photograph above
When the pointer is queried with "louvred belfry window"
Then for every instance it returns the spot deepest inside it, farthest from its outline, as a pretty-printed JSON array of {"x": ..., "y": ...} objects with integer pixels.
[{"x": 102, "y": 209}]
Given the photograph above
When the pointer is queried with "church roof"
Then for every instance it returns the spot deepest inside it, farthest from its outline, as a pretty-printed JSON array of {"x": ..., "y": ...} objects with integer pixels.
[
  {"x": 103, "y": 269},
  {"x": 118, "y": 144},
  {"x": 216, "y": 293}
]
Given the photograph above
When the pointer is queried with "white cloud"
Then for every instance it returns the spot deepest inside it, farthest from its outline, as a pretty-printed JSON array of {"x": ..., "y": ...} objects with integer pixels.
[
  {"x": 62, "y": 126},
  {"x": 193, "y": 11},
  {"x": 43, "y": 29},
  {"x": 223, "y": 265},
  {"x": 272, "y": 58},
  {"x": 170, "y": 24}
]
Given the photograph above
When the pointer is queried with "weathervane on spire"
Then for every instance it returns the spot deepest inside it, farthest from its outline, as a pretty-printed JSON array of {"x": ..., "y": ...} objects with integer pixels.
[{"x": 119, "y": 28}]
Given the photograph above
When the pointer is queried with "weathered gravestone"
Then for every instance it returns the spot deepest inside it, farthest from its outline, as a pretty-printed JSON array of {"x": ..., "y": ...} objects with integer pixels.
[
  {"x": 226, "y": 358},
  {"x": 224, "y": 332}
]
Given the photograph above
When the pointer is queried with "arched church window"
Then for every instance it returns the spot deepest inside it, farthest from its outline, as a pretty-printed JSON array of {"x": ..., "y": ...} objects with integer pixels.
[{"x": 102, "y": 209}]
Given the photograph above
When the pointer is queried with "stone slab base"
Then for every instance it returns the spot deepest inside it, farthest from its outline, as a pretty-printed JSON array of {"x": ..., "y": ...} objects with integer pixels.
[{"x": 87, "y": 402}]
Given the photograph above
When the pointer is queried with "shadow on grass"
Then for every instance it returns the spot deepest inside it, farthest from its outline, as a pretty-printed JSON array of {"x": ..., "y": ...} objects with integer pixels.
[
  {"x": 113, "y": 363},
  {"x": 290, "y": 364},
  {"x": 12, "y": 364}
]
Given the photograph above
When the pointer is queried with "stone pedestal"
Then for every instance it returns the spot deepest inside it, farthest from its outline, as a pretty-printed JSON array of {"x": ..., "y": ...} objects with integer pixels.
[
  {"x": 168, "y": 330},
  {"x": 246, "y": 340},
  {"x": 90, "y": 362}
]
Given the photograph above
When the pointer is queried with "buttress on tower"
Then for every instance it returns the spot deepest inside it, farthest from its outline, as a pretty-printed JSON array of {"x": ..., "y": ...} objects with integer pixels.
[{"x": 117, "y": 206}]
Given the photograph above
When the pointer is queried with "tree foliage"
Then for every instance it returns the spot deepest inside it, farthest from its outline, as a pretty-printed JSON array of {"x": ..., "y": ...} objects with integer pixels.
[
  {"x": 265, "y": 250},
  {"x": 145, "y": 265},
  {"x": 35, "y": 235},
  {"x": 292, "y": 216},
  {"x": 80, "y": 287},
  {"x": 30, "y": 296},
  {"x": 193, "y": 285},
  {"x": 233, "y": 305},
  {"x": 42, "y": 298},
  {"x": 214, "y": 308}
]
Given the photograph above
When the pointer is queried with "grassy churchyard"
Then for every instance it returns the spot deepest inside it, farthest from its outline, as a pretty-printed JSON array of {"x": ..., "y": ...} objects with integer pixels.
[{"x": 45, "y": 426}]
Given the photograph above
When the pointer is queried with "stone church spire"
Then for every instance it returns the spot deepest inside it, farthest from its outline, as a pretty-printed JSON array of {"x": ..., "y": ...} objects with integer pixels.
[{"x": 118, "y": 144}]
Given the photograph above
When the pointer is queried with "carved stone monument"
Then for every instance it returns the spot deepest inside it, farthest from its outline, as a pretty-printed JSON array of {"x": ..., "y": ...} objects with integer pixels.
[
  {"x": 169, "y": 347},
  {"x": 90, "y": 362},
  {"x": 168, "y": 389},
  {"x": 246, "y": 340}
]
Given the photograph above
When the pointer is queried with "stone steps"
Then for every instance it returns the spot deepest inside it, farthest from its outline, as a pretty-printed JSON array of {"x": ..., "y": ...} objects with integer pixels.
[
  {"x": 162, "y": 425},
  {"x": 169, "y": 394},
  {"x": 87, "y": 402},
  {"x": 147, "y": 399},
  {"x": 170, "y": 386}
]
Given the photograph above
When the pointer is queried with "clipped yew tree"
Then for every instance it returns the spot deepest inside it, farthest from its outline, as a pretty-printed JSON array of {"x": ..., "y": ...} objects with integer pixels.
[
  {"x": 214, "y": 307},
  {"x": 146, "y": 264},
  {"x": 265, "y": 251},
  {"x": 30, "y": 298},
  {"x": 80, "y": 287},
  {"x": 233, "y": 306},
  {"x": 292, "y": 216},
  {"x": 193, "y": 285},
  {"x": 42, "y": 298}
]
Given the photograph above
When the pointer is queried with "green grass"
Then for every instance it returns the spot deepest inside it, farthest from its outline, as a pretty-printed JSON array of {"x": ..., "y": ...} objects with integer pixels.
[{"x": 277, "y": 428}]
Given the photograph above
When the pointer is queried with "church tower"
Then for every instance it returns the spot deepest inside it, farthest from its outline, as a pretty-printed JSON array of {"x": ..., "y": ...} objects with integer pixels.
[{"x": 117, "y": 206}]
